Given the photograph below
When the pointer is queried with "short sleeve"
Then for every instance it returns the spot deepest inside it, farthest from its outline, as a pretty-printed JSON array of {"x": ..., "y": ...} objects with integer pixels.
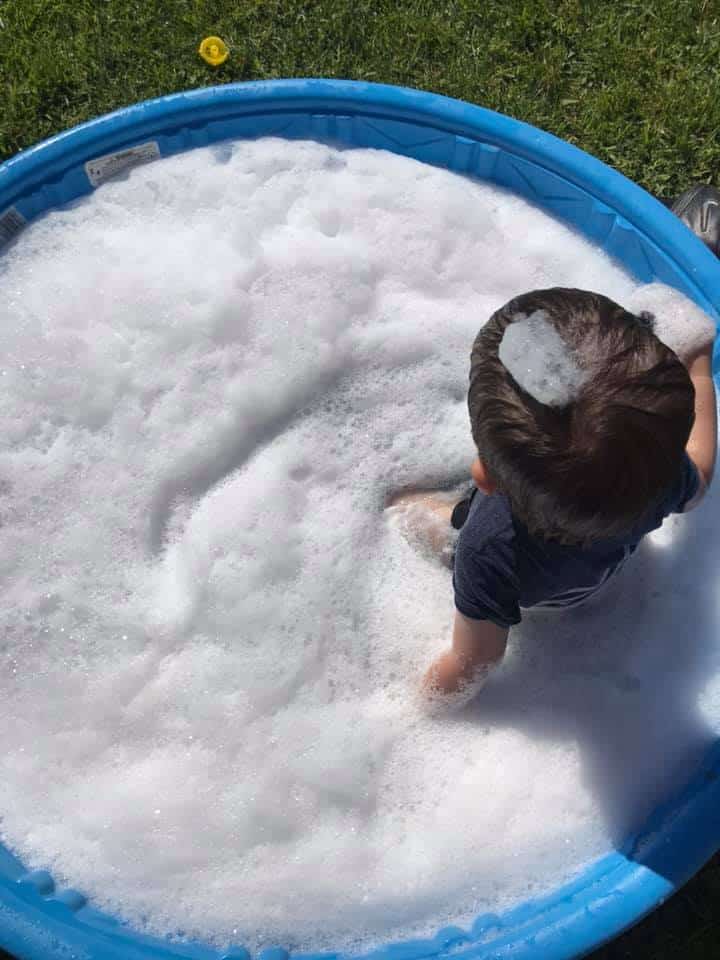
[
  {"x": 688, "y": 485},
  {"x": 486, "y": 582}
]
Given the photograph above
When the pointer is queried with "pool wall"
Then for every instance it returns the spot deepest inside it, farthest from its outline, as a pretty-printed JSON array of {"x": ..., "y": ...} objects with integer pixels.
[{"x": 39, "y": 921}]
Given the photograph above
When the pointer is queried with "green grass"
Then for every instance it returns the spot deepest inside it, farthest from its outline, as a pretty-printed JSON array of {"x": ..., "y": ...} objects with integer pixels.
[
  {"x": 634, "y": 82},
  {"x": 637, "y": 83}
]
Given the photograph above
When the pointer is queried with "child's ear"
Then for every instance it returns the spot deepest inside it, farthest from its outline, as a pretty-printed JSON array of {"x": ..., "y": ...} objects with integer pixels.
[{"x": 481, "y": 477}]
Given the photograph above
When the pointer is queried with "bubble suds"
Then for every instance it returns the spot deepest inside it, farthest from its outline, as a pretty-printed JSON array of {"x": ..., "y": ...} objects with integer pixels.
[
  {"x": 539, "y": 360},
  {"x": 215, "y": 371},
  {"x": 674, "y": 318}
]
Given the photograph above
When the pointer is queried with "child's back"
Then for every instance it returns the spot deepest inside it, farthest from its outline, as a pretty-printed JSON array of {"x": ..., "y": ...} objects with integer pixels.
[{"x": 501, "y": 567}]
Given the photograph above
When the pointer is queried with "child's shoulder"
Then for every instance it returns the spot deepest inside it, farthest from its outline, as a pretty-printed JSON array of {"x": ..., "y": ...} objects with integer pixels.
[{"x": 489, "y": 523}]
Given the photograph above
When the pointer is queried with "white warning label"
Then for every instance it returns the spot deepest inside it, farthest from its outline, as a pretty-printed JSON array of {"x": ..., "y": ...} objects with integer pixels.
[
  {"x": 102, "y": 168},
  {"x": 11, "y": 222}
]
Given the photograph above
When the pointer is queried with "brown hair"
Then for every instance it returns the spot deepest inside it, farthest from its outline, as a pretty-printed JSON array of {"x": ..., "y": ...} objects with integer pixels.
[{"x": 592, "y": 469}]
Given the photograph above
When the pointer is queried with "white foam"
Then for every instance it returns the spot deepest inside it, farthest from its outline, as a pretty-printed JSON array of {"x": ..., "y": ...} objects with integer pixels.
[
  {"x": 214, "y": 372},
  {"x": 677, "y": 321},
  {"x": 539, "y": 360}
]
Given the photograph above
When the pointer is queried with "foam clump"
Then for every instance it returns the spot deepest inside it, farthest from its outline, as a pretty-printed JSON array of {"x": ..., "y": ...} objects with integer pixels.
[
  {"x": 215, "y": 372},
  {"x": 539, "y": 360},
  {"x": 675, "y": 319}
]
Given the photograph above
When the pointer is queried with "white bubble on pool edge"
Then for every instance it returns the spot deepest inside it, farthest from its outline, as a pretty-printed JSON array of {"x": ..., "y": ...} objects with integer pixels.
[
  {"x": 212, "y": 641},
  {"x": 674, "y": 318}
]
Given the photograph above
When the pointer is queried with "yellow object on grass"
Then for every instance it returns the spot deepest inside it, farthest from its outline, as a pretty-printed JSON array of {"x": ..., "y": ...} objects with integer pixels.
[{"x": 214, "y": 51}]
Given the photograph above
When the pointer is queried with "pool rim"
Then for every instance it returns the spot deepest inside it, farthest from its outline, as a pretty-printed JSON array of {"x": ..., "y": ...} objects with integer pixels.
[{"x": 616, "y": 890}]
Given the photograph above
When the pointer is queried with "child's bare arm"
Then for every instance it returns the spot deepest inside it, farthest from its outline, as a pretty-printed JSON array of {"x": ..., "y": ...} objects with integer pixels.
[
  {"x": 702, "y": 445},
  {"x": 477, "y": 645}
]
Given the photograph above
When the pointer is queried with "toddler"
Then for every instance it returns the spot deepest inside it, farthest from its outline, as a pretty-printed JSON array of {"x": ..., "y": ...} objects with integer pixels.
[{"x": 590, "y": 431}]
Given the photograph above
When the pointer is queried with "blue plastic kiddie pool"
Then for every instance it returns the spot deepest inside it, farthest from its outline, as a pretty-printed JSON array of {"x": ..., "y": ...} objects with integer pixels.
[{"x": 39, "y": 921}]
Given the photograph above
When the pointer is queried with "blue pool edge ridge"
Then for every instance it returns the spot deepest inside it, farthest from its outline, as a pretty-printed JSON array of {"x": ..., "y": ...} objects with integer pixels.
[{"x": 621, "y": 887}]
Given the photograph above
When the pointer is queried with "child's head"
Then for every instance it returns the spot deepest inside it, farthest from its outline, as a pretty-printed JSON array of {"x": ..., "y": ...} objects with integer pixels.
[{"x": 591, "y": 469}]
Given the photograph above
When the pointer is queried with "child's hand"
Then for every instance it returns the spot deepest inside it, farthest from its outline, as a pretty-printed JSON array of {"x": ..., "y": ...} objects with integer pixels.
[
  {"x": 449, "y": 674},
  {"x": 460, "y": 673}
]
